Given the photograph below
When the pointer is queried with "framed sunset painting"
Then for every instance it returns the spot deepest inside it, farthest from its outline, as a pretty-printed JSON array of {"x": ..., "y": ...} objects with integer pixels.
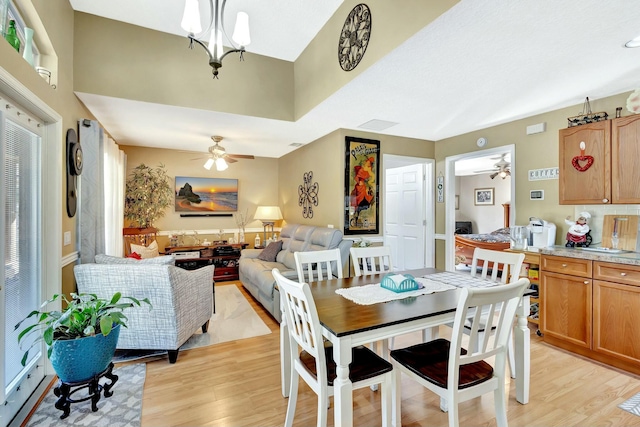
[{"x": 205, "y": 195}]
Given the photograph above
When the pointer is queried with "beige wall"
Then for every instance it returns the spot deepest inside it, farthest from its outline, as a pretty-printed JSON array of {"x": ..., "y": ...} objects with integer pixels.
[
  {"x": 57, "y": 18},
  {"x": 130, "y": 62},
  {"x": 317, "y": 71},
  {"x": 257, "y": 185},
  {"x": 325, "y": 157},
  {"x": 532, "y": 152}
]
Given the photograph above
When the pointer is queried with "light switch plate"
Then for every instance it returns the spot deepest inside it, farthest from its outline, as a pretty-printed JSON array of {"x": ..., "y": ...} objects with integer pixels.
[{"x": 67, "y": 238}]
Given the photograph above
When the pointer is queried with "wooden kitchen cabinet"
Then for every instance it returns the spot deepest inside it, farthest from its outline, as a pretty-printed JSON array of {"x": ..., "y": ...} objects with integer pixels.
[
  {"x": 616, "y": 311},
  {"x": 615, "y": 172},
  {"x": 592, "y": 308},
  {"x": 593, "y": 186},
  {"x": 625, "y": 160},
  {"x": 567, "y": 308}
]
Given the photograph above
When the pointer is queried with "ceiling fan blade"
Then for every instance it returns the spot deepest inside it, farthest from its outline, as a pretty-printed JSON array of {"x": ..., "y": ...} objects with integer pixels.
[
  {"x": 229, "y": 159},
  {"x": 200, "y": 158},
  {"x": 241, "y": 156}
]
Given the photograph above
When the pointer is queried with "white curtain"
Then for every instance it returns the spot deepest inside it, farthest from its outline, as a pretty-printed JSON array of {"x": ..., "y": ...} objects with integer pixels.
[
  {"x": 101, "y": 193},
  {"x": 114, "y": 180}
]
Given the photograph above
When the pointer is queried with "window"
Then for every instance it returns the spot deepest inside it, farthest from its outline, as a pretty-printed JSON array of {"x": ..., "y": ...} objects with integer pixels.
[{"x": 14, "y": 14}]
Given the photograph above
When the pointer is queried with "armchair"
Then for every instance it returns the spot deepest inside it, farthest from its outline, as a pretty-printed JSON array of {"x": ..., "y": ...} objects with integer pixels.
[{"x": 182, "y": 301}]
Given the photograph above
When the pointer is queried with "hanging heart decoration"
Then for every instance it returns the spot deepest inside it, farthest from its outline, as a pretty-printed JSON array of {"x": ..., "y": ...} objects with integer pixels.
[
  {"x": 581, "y": 168},
  {"x": 582, "y": 158}
]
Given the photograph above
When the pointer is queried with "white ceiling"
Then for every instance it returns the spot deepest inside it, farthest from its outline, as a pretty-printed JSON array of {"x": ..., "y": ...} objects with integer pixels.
[{"x": 482, "y": 63}]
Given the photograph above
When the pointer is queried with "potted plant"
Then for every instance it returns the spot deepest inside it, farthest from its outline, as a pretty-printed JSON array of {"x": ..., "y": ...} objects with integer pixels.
[
  {"x": 148, "y": 193},
  {"x": 81, "y": 338}
]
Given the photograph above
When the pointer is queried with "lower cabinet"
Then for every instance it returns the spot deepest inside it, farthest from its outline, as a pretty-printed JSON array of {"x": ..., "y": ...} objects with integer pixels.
[
  {"x": 594, "y": 311},
  {"x": 567, "y": 308},
  {"x": 616, "y": 320}
]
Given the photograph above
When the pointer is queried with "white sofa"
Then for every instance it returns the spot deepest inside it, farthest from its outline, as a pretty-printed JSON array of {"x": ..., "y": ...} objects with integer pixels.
[
  {"x": 256, "y": 276},
  {"x": 182, "y": 300}
]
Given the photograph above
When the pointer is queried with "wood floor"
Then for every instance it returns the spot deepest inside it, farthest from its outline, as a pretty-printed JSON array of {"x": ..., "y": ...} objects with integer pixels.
[{"x": 238, "y": 384}]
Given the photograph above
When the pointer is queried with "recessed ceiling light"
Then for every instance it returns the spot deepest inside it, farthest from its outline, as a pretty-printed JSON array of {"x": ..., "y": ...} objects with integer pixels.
[
  {"x": 376, "y": 124},
  {"x": 635, "y": 42}
]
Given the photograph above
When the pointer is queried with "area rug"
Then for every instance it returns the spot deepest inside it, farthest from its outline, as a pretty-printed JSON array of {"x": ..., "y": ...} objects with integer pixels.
[
  {"x": 234, "y": 319},
  {"x": 632, "y": 405},
  {"x": 123, "y": 408}
]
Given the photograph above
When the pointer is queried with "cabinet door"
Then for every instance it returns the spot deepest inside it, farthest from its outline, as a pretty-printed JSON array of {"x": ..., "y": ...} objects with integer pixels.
[
  {"x": 616, "y": 320},
  {"x": 566, "y": 308},
  {"x": 593, "y": 186},
  {"x": 625, "y": 160}
]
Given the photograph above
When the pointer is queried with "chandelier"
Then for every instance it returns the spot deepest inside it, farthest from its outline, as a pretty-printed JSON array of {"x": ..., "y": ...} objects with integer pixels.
[{"x": 215, "y": 49}]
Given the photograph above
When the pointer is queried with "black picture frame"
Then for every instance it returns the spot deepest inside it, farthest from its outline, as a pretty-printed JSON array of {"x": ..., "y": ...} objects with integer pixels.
[{"x": 361, "y": 186}]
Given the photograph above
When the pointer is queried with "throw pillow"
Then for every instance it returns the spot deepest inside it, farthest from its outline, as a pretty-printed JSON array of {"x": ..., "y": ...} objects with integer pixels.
[
  {"x": 271, "y": 251},
  {"x": 146, "y": 252}
]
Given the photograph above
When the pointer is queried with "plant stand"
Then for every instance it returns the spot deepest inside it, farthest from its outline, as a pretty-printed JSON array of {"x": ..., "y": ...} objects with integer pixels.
[{"x": 65, "y": 390}]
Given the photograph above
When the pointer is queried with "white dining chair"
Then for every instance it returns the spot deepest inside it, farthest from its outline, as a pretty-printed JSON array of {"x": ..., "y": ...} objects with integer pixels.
[
  {"x": 312, "y": 359},
  {"x": 498, "y": 266},
  {"x": 315, "y": 266},
  {"x": 371, "y": 260},
  {"x": 457, "y": 374}
]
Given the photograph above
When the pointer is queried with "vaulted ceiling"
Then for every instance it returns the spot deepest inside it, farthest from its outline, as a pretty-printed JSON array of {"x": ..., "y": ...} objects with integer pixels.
[{"x": 480, "y": 64}]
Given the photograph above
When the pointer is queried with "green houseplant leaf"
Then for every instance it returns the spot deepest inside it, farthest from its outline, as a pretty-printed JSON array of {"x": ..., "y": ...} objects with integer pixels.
[
  {"x": 148, "y": 193},
  {"x": 85, "y": 315}
]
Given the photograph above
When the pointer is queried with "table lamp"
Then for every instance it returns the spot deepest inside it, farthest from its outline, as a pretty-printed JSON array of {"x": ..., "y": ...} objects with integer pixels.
[{"x": 268, "y": 215}]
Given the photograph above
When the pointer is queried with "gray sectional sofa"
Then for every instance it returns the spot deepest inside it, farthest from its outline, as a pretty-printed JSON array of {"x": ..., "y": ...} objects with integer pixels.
[{"x": 256, "y": 276}]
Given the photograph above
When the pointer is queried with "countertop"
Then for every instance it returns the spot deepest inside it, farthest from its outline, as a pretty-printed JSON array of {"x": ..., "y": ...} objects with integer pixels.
[{"x": 631, "y": 258}]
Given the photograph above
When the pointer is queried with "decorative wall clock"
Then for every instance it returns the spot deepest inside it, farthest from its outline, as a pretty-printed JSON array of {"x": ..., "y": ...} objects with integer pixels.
[
  {"x": 354, "y": 37},
  {"x": 74, "y": 169},
  {"x": 308, "y": 195}
]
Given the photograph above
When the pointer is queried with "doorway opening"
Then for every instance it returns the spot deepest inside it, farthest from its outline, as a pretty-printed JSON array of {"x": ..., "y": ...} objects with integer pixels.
[{"x": 507, "y": 151}]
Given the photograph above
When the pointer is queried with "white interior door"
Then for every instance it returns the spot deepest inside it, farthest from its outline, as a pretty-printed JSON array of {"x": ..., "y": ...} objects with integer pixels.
[{"x": 404, "y": 215}]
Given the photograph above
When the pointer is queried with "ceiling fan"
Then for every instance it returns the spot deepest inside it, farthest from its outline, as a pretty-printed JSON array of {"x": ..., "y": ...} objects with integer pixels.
[
  {"x": 219, "y": 156},
  {"x": 501, "y": 168}
]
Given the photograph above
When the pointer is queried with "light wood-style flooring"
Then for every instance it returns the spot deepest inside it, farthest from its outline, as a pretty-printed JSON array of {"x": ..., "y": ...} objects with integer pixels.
[{"x": 238, "y": 384}]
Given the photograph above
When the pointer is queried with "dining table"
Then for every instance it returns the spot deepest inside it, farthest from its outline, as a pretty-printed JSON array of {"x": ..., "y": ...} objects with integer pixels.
[{"x": 347, "y": 324}]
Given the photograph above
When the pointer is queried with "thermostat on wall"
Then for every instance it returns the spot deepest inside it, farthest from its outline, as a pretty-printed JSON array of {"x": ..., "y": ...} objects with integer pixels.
[{"x": 536, "y": 195}]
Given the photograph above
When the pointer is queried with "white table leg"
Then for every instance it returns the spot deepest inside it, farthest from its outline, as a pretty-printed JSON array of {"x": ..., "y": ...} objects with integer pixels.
[
  {"x": 523, "y": 352},
  {"x": 342, "y": 388},
  {"x": 285, "y": 357},
  {"x": 430, "y": 334}
]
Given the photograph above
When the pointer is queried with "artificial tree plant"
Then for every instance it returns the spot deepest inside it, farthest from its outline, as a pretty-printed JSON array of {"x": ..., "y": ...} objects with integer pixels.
[{"x": 148, "y": 194}]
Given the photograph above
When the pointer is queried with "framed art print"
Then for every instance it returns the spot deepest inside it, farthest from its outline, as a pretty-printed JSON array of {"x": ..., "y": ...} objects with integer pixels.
[
  {"x": 361, "y": 177},
  {"x": 483, "y": 196}
]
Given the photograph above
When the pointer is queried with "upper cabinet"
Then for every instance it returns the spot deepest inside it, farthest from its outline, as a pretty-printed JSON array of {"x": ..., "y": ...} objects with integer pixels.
[
  {"x": 606, "y": 171},
  {"x": 592, "y": 185},
  {"x": 625, "y": 160}
]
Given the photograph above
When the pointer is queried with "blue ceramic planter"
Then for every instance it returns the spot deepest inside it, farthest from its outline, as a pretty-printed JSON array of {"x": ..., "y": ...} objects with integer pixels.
[{"x": 81, "y": 359}]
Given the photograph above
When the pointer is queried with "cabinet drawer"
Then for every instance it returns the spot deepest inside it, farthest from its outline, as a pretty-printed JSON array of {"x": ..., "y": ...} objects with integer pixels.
[
  {"x": 619, "y": 273},
  {"x": 225, "y": 271},
  {"x": 565, "y": 265}
]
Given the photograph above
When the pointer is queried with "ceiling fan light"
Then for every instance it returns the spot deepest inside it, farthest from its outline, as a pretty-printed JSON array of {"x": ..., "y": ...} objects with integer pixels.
[
  {"x": 209, "y": 163},
  {"x": 503, "y": 174},
  {"x": 221, "y": 164},
  {"x": 241, "y": 34},
  {"x": 191, "y": 18}
]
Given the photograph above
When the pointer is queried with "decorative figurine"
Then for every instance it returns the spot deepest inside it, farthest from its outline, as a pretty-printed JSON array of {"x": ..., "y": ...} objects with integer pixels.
[{"x": 578, "y": 234}]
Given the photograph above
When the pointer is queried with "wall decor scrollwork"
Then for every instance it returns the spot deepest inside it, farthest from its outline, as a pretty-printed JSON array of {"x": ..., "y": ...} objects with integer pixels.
[{"x": 308, "y": 194}]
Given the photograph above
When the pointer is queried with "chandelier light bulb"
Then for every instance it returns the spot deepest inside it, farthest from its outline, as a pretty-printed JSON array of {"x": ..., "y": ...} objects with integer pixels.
[
  {"x": 215, "y": 44},
  {"x": 241, "y": 34},
  {"x": 191, "y": 18}
]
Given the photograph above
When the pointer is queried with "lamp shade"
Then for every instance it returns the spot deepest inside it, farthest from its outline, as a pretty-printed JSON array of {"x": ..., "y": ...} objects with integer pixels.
[
  {"x": 241, "y": 34},
  {"x": 191, "y": 18},
  {"x": 221, "y": 164},
  {"x": 209, "y": 163},
  {"x": 268, "y": 213}
]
